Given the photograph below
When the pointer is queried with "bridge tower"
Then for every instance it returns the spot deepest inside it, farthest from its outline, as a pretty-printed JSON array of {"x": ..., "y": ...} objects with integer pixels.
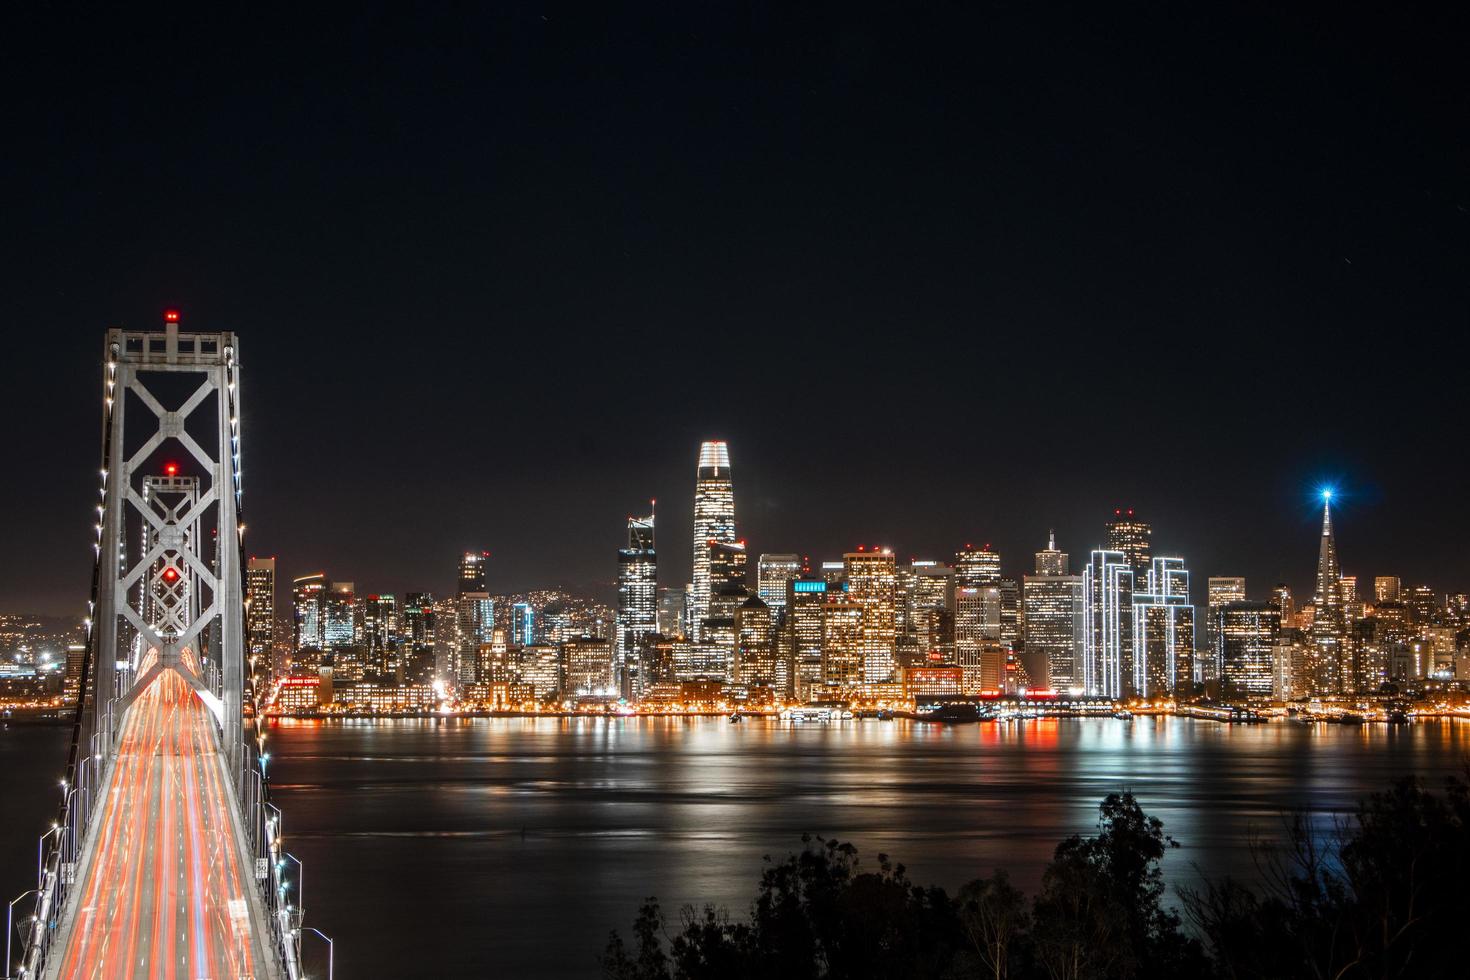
[{"x": 171, "y": 490}]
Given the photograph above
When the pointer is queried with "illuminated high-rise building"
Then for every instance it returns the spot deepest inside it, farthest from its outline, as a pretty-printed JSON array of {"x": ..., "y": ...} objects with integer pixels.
[
  {"x": 380, "y": 634},
  {"x": 872, "y": 582},
  {"x": 727, "y": 584},
  {"x": 925, "y": 595},
  {"x": 842, "y": 644},
  {"x": 637, "y": 615},
  {"x": 308, "y": 613},
  {"x": 588, "y": 666},
  {"x": 474, "y": 618},
  {"x": 1281, "y": 595},
  {"x": 340, "y": 617},
  {"x": 976, "y": 566},
  {"x": 1107, "y": 604},
  {"x": 260, "y": 609},
  {"x": 1329, "y": 626},
  {"x": 1387, "y": 588},
  {"x": 805, "y": 600},
  {"x": 1220, "y": 590},
  {"x": 1052, "y": 562},
  {"x": 1246, "y": 644},
  {"x": 417, "y": 639},
  {"x": 1163, "y": 631},
  {"x": 522, "y": 624},
  {"x": 1052, "y": 604},
  {"x": 1130, "y": 535},
  {"x": 672, "y": 620},
  {"x": 472, "y": 572},
  {"x": 714, "y": 520},
  {"x": 756, "y": 661},
  {"x": 772, "y": 574}
]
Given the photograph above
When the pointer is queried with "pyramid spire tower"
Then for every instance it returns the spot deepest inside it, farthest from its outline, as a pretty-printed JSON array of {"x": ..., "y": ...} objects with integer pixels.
[{"x": 1328, "y": 625}]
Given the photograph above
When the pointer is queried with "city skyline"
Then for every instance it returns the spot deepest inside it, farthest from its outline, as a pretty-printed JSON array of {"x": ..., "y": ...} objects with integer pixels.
[{"x": 894, "y": 294}]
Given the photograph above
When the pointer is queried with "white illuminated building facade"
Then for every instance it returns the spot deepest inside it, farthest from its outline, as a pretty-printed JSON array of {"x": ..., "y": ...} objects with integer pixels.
[{"x": 714, "y": 521}]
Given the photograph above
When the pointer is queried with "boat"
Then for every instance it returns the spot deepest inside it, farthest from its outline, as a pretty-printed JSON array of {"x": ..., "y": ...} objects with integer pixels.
[
  {"x": 735, "y": 718},
  {"x": 1350, "y": 718},
  {"x": 954, "y": 714}
]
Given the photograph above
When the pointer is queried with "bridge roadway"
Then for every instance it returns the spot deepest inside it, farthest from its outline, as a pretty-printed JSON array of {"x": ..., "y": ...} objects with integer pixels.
[{"x": 163, "y": 887}]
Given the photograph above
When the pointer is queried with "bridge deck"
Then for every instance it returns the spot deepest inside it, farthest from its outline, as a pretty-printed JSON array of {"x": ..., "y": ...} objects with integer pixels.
[{"x": 163, "y": 887}]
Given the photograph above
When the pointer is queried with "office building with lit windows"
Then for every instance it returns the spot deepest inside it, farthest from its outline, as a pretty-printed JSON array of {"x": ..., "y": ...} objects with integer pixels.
[
  {"x": 260, "y": 608},
  {"x": 637, "y": 614},
  {"x": 772, "y": 574},
  {"x": 1163, "y": 631},
  {"x": 1053, "y": 618},
  {"x": 842, "y": 644},
  {"x": 308, "y": 614},
  {"x": 872, "y": 582},
  {"x": 805, "y": 601},
  {"x": 1107, "y": 611},
  {"x": 1131, "y": 536},
  {"x": 417, "y": 639},
  {"x": 714, "y": 520},
  {"x": 1247, "y": 637}
]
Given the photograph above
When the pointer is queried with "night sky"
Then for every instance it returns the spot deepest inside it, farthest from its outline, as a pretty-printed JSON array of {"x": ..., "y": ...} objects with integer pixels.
[{"x": 946, "y": 274}]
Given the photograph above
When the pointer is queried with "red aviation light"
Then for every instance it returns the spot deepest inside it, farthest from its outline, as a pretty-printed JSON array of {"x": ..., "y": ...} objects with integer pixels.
[
  {"x": 170, "y": 469},
  {"x": 170, "y": 316},
  {"x": 170, "y": 573}
]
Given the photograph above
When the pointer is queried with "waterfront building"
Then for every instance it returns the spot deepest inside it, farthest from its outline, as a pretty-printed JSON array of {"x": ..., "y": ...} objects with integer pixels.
[
  {"x": 260, "y": 609},
  {"x": 842, "y": 644},
  {"x": 540, "y": 665},
  {"x": 930, "y": 684},
  {"x": 872, "y": 582},
  {"x": 1220, "y": 591},
  {"x": 714, "y": 520},
  {"x": 1107, "y": 610},
  {"x": 1053, "y": 622},
  {"x": 588, "y": 666},
  {"x": 1247, "y": 635},
  {"x": 772, "y": 574},
  {"x": 637, "y": 615},
  {"x": 497, "y": 661},
  {"x": 1163, "y": 631},
  {"x": 1131, "y": 536},
  {"x": 805, "y": 600}
]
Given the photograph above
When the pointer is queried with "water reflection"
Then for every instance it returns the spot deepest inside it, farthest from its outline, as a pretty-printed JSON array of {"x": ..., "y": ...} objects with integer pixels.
[{"x": 513, "y": 845}]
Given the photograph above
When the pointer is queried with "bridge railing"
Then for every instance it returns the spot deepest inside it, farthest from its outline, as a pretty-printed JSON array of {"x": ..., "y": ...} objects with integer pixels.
[{"x": 58, "y": 850}]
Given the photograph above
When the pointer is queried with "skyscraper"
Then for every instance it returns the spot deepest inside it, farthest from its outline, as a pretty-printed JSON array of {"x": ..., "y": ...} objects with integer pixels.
[
  {"x": 1220, "y": 590},
  {"x": 260, "y": 613},
  {"x": 805, "y": 601},
  {"x": 522, "y": 624},
  {"x": 1051, "y": 562},
  {"x": 872, "y": 582},
  {"x": 976, "y": 566},
  {"x": 1246, "y": 641},
  {"x": 772, "y": 574},
  {"x": 380, "y": 634},
  {"x": 1130, "y": 535},
  {"x": 474, "y": 617},
  {"x": 1163, "y": 630},
  {"x": 755, "y": 647},
  {"x": 1107, "y": 602},
  {"x": 417, "y": 638},
  {"x": 1052, "y": 603},
  {"x": 1329, "y": 628},
  {"x": 714, "y": 520},
  {"x": 308, "y": 613},
  {"x": 637, "y": 616}
]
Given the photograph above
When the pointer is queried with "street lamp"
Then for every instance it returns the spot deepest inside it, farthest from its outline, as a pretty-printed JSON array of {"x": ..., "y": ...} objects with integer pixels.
[{"x": 330, "y": 950}]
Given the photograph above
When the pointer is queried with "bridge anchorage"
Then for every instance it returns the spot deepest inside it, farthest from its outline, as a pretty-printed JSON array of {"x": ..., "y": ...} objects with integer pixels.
[{"x": 166, "y": 857}]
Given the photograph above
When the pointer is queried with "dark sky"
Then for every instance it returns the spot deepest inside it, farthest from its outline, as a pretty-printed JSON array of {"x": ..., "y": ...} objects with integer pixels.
[{"x": 945, "y": 274}]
